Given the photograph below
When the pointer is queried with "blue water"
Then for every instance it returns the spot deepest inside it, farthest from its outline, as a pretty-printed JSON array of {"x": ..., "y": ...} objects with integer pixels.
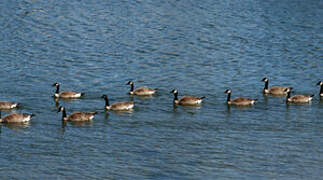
[{"x": 201, "y": 48}]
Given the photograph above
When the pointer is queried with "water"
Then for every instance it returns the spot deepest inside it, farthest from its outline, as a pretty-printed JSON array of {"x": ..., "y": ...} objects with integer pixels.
[{"x": 199, "y": 47}]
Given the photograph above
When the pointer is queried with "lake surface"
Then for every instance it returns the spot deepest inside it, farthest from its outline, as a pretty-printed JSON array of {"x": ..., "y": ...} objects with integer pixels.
[{"x": 200, "y": 48}]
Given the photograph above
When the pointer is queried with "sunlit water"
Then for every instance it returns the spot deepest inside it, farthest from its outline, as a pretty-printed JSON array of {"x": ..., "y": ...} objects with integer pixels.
[{"x": 199, "y": 47}]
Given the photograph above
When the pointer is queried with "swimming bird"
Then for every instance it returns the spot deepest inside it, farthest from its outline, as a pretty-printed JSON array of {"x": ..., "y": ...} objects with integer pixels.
[
  {"x": 320, "y": 83},
  {"x": 300, "y": 98},
  {"x": 239, "y": 101},
  {"x": 16, "y": 118},
  {"x": 143, "y": 91},
  {"x": 186, "y": 100},
  {"x": 66, "y": 94},
  {"x": 77, "y": 116},
  {"x": 118, "y": 106},
  {"x": 5, "y": 105},
  {"x": 274, "y": 90}
]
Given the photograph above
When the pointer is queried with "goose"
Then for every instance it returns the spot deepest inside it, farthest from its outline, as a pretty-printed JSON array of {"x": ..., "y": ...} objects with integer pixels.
[
  {"x": 300, "y": 98},
  {"x": 143, "y": 91},
  {"x": 66, "y": 94},
  {"x": 239, "y": 101},
  {"x": 118, "y": 106},
  {"x": 274, "y": 90},
  {"x": 77, "y": 116},
  {"x": 320, "y": 83},
  {"x": 4, "y": 105},
  {"x": 186, "y": 100},
  {"x": 16, "y": 118}
]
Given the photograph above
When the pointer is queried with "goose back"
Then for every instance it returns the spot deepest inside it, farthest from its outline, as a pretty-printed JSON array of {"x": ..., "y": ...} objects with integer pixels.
[
  {"x": 189, "y": 100},
  {"x": 242, "y": 101},
  {"x": 121, "y": 106},
  {"x": 144, "y": 91},
  {"x": 16, "y": 118},
  {"x": 80, "y": 116}
]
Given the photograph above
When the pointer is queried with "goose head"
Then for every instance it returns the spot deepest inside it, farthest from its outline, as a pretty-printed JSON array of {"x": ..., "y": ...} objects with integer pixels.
[
  {"x": 174, "y": 91},
  {"x": 228, "y": 91},
  {"x": 130, "y": 83},
  {"x": 55, "y": 84}
]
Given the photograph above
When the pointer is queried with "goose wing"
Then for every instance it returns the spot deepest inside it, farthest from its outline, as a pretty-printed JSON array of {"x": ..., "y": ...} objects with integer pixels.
[
  {"x": 7, "y": 105},
  {"x": 190, "y": 100},
  {"x": 81, "y": 116},
  {"x": 70, "y": 94},
  {"x": 243, "y": 101},
  {"x": 277, "y": 90},
  {"x": 301, "y": 98},
  {"x": 123, "y": 106},
  {"x": 144, "y": 91}
]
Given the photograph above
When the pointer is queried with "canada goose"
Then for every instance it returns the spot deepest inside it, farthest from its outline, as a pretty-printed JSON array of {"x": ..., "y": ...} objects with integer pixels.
[
  {"x": 77, "y": 116},
  {"x": 186, "y": 100},
  {"x": 274, "y": 90},
  {"x": 300, "y": 98},
  {"x": 143, "y": 91},
  {"x": 8, "y": 105},
  {"x": 66, "y": 94},
  {"x": 239, "y": 101},
  {"x": 320, "y": 83},
  {"x": 119, "y": 106},
  {"x": 16, "y": 118}
]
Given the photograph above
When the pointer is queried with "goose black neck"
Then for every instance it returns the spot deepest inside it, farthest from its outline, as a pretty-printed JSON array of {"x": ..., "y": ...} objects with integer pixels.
[
  {"x": 63, "y": 114},
  {"x": 57, "y": 89},
  {"x": 321, "y": 91},
  {"x": 131, "y": 87},
  {"x": 266, "y": 85},
  {"x": 176, "y": 96},
  {"x": 229, "y": 97},
  {"x": 106, "y": 101},
  {"x": 288, "y": 95}
]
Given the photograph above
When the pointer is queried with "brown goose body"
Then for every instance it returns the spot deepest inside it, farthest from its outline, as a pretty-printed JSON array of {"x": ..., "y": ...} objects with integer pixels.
[
  {"x": 299, "y": 98},
  {"x": 66, "y": 94},
  {"x": 242, "y": 101},
  {"x": 76, "y": 116},
  {"x": 274, "y": 90},
  {"x": 7, "y": 105},
  {"x": 16, "y": 118},
  {"x": 143, "y": 91},
  {"x": 121, "y": 106},
  {"x": 118, "y": 106},
  {"x": 80, "y": 116},
  {"x": 239, "y": 101},
  {"x": 186, "y": 100}
]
